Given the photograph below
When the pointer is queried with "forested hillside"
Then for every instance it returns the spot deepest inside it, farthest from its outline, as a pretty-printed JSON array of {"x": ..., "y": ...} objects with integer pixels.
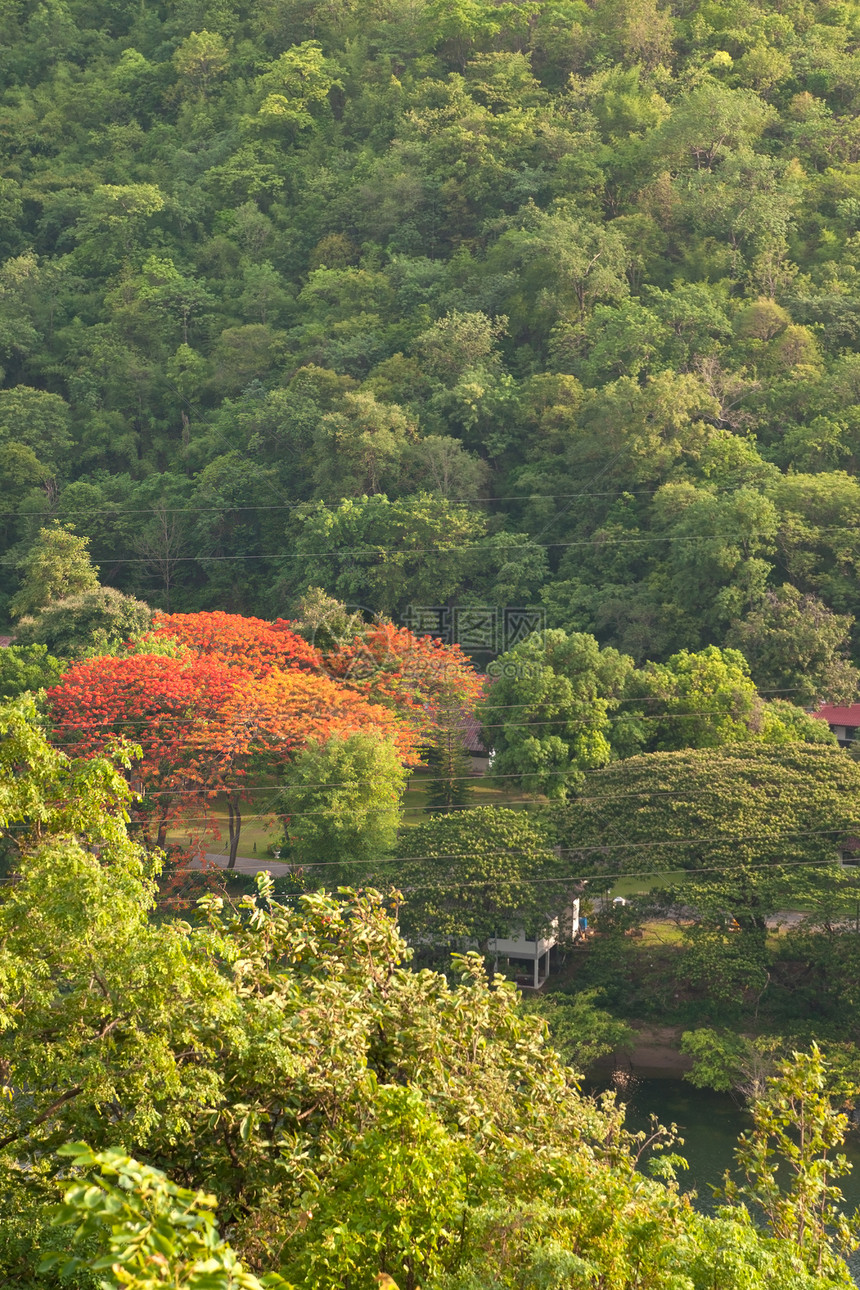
[{"x": 565, "y": 294}]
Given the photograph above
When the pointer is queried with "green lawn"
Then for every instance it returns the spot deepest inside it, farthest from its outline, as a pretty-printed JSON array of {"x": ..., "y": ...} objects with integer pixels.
[
  {"x": 261, "y": 828},
  {"x": 482, "y": 793}
]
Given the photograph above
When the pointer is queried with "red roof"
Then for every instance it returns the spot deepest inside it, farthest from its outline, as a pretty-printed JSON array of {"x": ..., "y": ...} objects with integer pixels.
[{"x": 839, "y": 716}]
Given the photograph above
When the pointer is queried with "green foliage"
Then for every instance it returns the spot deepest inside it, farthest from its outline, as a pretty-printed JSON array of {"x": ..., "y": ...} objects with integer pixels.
[
  {"x": 353, "y": 1117},
  {"x": 797, "y": 1129},
  {"x": 581, "y": 1031},
  {"x": 376, "y": 552},
  {"x": 341, "y": 806},
  {"x": 716, "y": 809},
  {"x": 395, "y": 1206},
  {"x": 796, "y": 647},
  {"x": 58, "y": 796},
  {"x": 448, "y": 761},
  {"x": 471, "y": 875},
  {"x": 731, "y": 1062},
  {"x": 569, "y": 295},
  {"x": 547, "y": 715},
  {"x": 27, "y": 667},
  {"x": 91, "y": 621},
  {"x": 57, "y": 565},
  {"x": 156, "y": 1234},
  {"x": 703, "y": 700}
]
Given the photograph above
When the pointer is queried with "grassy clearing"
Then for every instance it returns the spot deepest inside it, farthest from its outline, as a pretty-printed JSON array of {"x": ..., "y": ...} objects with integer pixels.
[
  {"x": 481, "y": 793},
  {"x": 261, "y": 827},
  {"x": 638, "y": 884}
]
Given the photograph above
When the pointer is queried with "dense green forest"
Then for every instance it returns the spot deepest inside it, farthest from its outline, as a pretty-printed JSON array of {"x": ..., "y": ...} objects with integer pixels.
[
  {"x": 282, "y": 1073},
  {"x": 328, "y": 330},
  {"x": 565, "y": 294}
]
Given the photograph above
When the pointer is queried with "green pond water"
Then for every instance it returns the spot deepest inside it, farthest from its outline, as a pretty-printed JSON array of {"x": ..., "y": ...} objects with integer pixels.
[{"x": 710, "y": 1124}]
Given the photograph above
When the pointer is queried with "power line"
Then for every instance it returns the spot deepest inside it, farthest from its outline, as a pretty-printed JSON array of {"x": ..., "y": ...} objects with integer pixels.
[
  {"x": 570, "y": 851},
  {"x": 486, "y": 782},
  {"x": 179, "y": 718},
  {"x": 577, "y": 878},
  {"x": 116, "y": 511},
  {"x": 374, "y": 549},
  {"x": 227, "y": 508}
]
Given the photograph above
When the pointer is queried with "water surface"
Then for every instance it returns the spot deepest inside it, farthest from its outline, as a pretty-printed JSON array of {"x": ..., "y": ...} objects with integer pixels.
[{"x": 710, "y": 1124}]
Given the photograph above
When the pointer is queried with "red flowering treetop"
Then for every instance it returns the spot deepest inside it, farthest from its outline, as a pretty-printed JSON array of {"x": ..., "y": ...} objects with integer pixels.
[
  {"x": 160, "y": 703},
  {"x": 270, "y": 719},
  {"x": 415, "y": 675},
  {"x": 252, "y": 643}
]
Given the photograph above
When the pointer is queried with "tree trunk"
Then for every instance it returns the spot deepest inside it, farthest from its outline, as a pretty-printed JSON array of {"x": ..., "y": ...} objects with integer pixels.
[{"x": 234, "y": 815}]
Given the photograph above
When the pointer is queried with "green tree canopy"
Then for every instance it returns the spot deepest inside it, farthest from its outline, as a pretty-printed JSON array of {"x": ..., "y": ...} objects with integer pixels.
[
  {"x": 797, "y": 647},
  {"x": 473, "y": 874},
  {"x": 715, "y": 808},
  {"x": 99, "y": 619},
  {"x": 547, "y": 716},
  {"x": 57, "y": 565},
  {"x": 341, "y": 806}
]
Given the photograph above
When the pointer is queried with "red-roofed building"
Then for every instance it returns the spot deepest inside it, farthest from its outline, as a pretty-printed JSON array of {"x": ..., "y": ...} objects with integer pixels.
[{"x": 844, "y": 722}]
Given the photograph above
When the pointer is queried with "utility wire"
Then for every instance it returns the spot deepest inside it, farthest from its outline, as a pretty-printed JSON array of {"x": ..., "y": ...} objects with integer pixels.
[
  {"x": 372, "y": 549},
  {"x": 570, "y": 851},
  {"x": 184, "y": 718},
  {"x": 116, "y": 511},
  {"x": 587, "y": 877}
]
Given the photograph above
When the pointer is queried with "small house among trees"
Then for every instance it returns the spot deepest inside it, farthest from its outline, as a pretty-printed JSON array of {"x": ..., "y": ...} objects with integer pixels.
[
  {"x": 528, "y": 953},
  {"x": 843, "y": 721}
]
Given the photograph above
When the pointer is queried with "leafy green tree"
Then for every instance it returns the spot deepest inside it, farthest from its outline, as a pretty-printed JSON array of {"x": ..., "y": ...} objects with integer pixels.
[
  {"x": 172, "y": 293},
  {"x": 449, "y": 763},
  {"x": 471, "y": 875},
  {"x": 716, "y": 809},
  {"x": 201, "y": 58},
  {"x": 27, "y": 667},
  {"x": 114, "y": 220},
  {"x": 708, "y": 122},
  {"x": 59, "y": 796},
  {"x": 34, "y": 419},
  {"x": 797, "y": 1129},
  {"x": 395, "y": 1207},
  {"x": 360, "y": 448},
  {"x": 57, "y": 565},
  {"x": 581, "y": 1031},
  {"x": 797, "y": 647},
  {"x": 301, "y": 79},
  {"x": 341, "y": 806},
  {"x": 156, "y": 1233},
  {"x": 757, "y": 828},
  {"x": 385, "y": 554},
  {"x": 91, "y": 620},
  {"x": 731, "y": 1063},
  {"x": 706, "y": 700},
  {"x": 548, "y": 714}
]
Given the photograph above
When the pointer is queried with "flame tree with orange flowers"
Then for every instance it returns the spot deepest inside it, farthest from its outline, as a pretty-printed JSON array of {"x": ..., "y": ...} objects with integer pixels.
[{"x": 240, "y": 696}]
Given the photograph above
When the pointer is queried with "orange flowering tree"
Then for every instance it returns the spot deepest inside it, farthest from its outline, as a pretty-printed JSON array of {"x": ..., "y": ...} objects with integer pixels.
[
  {"x": 241, "y": 698},
  {"x": 416, "y": 676},
  {"x": 160, "y": 703},
  {"x": 251, "y": 643},
  {"x": 265, "y": 722}
]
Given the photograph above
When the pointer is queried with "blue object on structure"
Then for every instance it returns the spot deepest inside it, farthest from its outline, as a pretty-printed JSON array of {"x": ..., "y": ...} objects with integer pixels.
[{"x": 583, "y": 924}]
